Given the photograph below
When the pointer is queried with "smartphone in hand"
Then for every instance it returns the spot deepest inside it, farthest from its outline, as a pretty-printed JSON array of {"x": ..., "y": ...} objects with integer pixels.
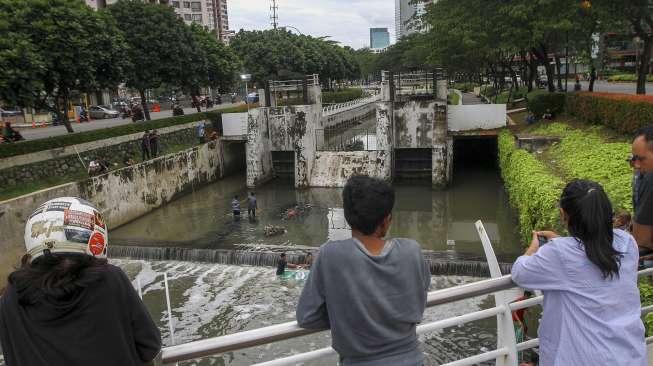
[{"x": 542, "y": 239}]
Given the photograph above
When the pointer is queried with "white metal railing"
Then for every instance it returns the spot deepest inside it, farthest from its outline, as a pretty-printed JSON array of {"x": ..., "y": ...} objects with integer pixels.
[
  {"x": 505, "y": 354},
  {"x": 282, "y": 85},
  {"x": 342, "y": 107}
]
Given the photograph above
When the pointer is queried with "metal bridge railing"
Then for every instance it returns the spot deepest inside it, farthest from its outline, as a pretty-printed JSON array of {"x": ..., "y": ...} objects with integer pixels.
[
  {"x": 505, "y": 354},
  {"x": 352, "y": 139},
  {"x": 341, "y": 107}
]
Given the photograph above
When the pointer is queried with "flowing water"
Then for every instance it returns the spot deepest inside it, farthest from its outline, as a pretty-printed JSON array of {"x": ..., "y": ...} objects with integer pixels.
[{"x": 209, "y": 300}]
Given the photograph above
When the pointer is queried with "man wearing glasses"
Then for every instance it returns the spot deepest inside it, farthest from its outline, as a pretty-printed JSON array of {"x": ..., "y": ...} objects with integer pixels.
[{"x": 642, "y": 163}]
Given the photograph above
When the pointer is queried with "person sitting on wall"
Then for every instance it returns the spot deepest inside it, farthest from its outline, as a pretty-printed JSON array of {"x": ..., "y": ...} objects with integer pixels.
[
  {"x": 548, "y": 115},
  {"x": 530, "y": 119},
  {"x": 129, "y": 161},
  {"x": 369, "y": 290}
]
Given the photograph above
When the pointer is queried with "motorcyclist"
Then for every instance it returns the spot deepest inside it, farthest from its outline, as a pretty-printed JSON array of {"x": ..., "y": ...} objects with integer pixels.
[
  {"x": 9, "y": 134},
  {"x": 66, "y": 305}
]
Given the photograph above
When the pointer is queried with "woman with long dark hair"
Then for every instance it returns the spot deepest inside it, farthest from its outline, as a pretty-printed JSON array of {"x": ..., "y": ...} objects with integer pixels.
[
  {"x": 66, "y": 305},
  {"x": 592, "y": 313}
]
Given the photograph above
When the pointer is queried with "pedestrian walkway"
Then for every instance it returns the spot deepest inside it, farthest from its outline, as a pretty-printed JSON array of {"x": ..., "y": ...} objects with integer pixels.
[
  {"x": 470, "y": 98},
  {"x": 96, "y": 124}
]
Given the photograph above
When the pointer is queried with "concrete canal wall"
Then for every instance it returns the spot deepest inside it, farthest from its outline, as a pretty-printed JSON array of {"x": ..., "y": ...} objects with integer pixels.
[
  {"x": 67, "y": 160},
  {"x": 122, "y": 195}
]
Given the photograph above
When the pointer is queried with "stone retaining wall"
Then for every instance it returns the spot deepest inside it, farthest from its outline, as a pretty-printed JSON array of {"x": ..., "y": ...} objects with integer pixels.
[
  {"x": 122, "y": 195},
  {"x": 68, "y": 160}
]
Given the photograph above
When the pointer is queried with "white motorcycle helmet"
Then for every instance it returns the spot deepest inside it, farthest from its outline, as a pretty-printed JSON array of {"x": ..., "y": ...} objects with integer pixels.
[{"x": 66, "y": 225}]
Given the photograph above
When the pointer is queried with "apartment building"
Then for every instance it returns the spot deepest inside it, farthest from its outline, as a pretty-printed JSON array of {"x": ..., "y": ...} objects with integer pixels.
[{"x": 212, "y": 14}]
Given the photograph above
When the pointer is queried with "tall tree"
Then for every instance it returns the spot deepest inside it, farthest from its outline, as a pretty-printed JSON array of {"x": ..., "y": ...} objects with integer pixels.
[
  {"x": 51, "y": 48},
  {"x": 157, "y": 45}
]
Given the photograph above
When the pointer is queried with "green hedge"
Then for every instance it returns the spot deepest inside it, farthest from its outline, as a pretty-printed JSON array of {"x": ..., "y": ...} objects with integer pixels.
[
  {"x": 620, "y": 112},
  {"x": 533, "y": 190},
  {"x": 628, "y": 77},
  {"x": 342, "y": 96},
  {"x": 539, "y": 103},
  {"x": 30, "y": 146}
]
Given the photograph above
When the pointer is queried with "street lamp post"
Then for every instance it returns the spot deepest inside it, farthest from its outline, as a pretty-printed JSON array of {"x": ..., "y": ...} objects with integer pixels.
[
  {"x": 637, "y": 41},
  {"x": 246, "y": 78}
]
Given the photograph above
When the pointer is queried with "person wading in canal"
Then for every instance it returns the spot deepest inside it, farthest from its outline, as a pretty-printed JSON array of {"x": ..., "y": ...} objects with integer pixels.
[
  {"x": 370, "y": 291},
  {"x": 282, "y": 263},
  {"x": 66, "y": 305},
  {"x": 235, "y": 208}
]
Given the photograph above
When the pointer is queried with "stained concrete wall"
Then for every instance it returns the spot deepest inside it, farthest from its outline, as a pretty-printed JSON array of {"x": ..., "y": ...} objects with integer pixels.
[
  {"x": 415, "y": 122},
  {"x": 303, "y": 132},
  {"x": 332, "y": 169},
  {"x": 122, "y": 195},
  {"x": 258, "y": 150},
  {"x": 476, "y": 117},
  {"x": 280, "y": 120}
]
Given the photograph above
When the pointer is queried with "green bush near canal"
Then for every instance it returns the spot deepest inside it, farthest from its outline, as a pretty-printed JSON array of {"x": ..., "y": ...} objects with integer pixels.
[
  {"x": 531, "y": 186},
  {"x": 342, "y": 96},
  {"x": 30, "y": 146}
]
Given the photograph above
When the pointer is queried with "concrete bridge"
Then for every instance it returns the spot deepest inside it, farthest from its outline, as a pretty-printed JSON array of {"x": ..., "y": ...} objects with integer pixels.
[{"x": 414, "y": 134}]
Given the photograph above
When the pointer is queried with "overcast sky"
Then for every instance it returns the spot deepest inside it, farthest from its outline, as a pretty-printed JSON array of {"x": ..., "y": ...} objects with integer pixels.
[{"x": 346, "y": 21}]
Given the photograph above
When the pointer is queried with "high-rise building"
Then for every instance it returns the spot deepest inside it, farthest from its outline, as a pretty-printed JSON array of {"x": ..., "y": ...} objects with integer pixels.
[
  {"x": 212, "y": 14},
  {"x": 407, "y": 13},
  {"x": 379, "y": 38}
]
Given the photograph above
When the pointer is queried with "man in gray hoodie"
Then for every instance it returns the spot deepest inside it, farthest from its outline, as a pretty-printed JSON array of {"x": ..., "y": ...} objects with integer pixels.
[{"x": 370, "y": 291}]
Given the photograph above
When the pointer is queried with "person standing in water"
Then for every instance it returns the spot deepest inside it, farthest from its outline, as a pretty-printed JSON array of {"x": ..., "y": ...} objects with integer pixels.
[
  {"x": 282, "y": 263},
  {"x": 251, "y": 206},
  {"x": 235, "y": 207}
]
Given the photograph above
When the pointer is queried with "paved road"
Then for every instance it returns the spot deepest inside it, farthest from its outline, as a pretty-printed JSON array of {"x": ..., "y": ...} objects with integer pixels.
[
  {"x": 604, "y": 86},
  {"x": 39, "y": 133},
  {"x": 470, "y": 98}
]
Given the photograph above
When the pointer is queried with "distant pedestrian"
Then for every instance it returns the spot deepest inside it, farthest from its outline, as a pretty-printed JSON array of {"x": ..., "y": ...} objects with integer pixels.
[
  {"x": 235, "y": 207},
  {"x": 251, "y": 205},
  {"x": 154, "y": 144},
  {"x": 145, "y": 145},
  {"x": 201, "y": 131}
]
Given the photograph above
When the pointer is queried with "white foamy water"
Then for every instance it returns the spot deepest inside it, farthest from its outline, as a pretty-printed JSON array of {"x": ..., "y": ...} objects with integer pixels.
[{"x": 210, "y": 300}]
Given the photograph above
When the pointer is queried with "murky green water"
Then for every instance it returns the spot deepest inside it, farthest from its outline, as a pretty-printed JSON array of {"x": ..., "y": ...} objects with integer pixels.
[{"x": 437, "y": 220}]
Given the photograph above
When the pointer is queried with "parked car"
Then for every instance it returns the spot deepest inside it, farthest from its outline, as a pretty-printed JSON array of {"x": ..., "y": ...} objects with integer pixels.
[
  {"x": 103, "y": 111},
  {"x": 5, "y": 112},
  {"x": 252, "y": 97}
]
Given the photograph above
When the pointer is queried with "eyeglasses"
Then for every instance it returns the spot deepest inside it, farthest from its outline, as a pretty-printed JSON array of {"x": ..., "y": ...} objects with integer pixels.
[{"x": 634, "y": 158}]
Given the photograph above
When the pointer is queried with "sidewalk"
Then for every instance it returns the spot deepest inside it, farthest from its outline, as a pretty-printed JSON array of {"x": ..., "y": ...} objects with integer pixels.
[{"x": 44, "y": 132}]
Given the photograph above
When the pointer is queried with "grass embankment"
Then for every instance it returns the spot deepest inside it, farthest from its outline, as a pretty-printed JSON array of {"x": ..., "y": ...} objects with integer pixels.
[
  {"x": 453, "y": 98},
  {"x": 12, "y": 191},
  {"x": 534, "y": 181}
]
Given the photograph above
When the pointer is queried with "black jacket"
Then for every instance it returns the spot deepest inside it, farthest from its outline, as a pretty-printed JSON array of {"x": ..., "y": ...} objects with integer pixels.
[{"x": 106, "y": 324}]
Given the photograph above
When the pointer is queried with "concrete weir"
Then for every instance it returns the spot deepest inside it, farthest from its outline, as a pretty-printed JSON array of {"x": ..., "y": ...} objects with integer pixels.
[{"x": 411, "y": 136}]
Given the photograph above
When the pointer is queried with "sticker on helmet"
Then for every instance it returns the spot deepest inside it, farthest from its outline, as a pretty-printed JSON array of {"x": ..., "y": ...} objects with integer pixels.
[
  {"x": 78, "y": 236},
  {"x": 78, "y": 219},
  {"x": 99, "y": 220},
  {"x": 85, "y": 202},
  {"x": 58, "y": 206},
  {"x": 96, "y": 243},
  {"x": 38, "y": 211}
]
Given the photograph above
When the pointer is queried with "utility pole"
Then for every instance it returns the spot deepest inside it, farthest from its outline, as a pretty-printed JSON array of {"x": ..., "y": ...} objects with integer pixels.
[{"x": 274, "y": 18}]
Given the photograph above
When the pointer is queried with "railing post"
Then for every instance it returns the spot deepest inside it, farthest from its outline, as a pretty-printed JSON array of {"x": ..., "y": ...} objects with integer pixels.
[
  {"x": 505, "y": 329},
  {"x": 172, "y": 331}
]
